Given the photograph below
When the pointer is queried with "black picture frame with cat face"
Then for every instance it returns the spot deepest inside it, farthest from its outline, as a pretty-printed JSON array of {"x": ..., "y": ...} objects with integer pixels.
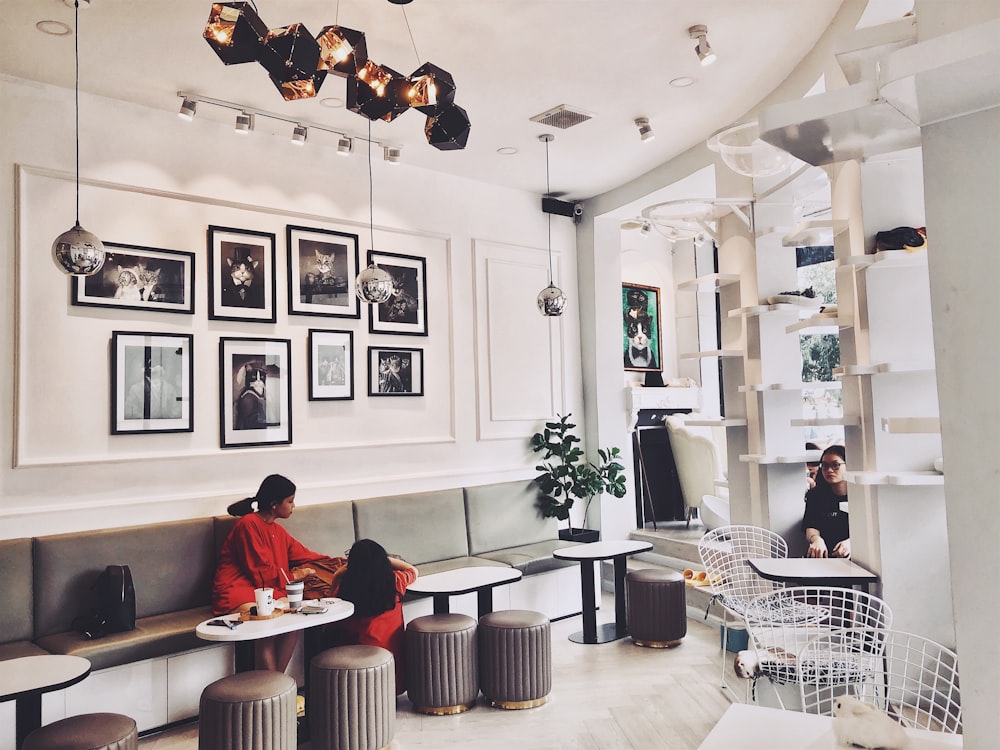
[
  {"x": 641, "y": 328},
  {"x": 395, "y": 371},
  {"x": 322, "y": 267},
  {"x": 241, "y": 275},
  {"x": 405, "y": 312},
  {"x": 139, "y": 278},
  {"x": 255, "y": 392},
  {"x": 331, "y": 365},
  {"x": 151, "y": 376}
]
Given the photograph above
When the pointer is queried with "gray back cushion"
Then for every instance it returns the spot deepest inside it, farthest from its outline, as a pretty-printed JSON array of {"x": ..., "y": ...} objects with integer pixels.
[
  {"x": 506, "y": 515},
  {"x": 423, "y": 527},
  {"x": 172, "y": 567},
  {"x": 15, "y": 562},
  {"x": 327, "y": 529}
]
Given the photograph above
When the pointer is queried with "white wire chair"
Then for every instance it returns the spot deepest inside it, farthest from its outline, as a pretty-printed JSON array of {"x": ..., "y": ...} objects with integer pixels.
[
  {"x": 911, "y": 678},
  {"x": 781, "y": 623},
  {"x": 734, "y": 584}
]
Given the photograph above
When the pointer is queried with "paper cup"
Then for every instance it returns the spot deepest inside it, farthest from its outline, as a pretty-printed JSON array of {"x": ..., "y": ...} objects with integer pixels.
[
  {"x": 294, "y": 592},
  {"x": 264, "y": 598}
]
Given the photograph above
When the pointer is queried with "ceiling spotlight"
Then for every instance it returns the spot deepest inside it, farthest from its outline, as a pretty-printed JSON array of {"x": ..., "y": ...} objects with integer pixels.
[
  {"x": 188, "y": 108},
  {"x": 244, "y": 123},
  {"x": 645, "y": 229},
  {"x": 703, "y": 48},
  {"x": 299, "y": 134},
  {"x": 344, "y": 146},
  {"x": 645, "y": 130},
  {"x": 391, "y": 154}
]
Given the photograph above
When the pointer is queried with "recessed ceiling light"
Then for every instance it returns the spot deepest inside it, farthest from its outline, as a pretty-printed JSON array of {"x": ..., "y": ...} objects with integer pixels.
[
  {"x": 332, "y": 102},
  {"x": 507, "y": 150},
  {"x": 55, "y": 28},
  {"x": 682, "y": 82}
]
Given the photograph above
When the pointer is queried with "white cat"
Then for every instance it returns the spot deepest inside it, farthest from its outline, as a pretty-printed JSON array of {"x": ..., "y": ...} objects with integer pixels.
[{"x": 863, "y": 725}]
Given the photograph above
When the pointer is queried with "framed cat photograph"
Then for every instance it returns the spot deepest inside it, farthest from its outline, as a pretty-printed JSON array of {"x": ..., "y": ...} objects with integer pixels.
[
  {"x": 405, "y": 312},
  {"x": 641, "y": 328},
  {"x": 151, "y": 375},
  {"x": 255, "y": 392},
  {"x": 139, "y": 278},
  {"x": 241, "y": 275},
  {"x": 331, "y": 365},
  {"x": 394, "y": 371},
  {"x": 322, "y": 267}
]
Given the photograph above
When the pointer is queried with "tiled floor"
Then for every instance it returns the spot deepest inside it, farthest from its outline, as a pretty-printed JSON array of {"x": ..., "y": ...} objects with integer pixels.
[{"x": 614, "y": 695}]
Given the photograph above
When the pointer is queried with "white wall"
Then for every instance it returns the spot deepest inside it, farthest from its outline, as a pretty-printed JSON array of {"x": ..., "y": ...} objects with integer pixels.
[{"x": 159, "y": 182}]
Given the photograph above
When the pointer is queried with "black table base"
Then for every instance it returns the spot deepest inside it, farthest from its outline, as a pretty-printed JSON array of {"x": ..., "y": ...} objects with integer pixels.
[{"x": 605, "y": 633}]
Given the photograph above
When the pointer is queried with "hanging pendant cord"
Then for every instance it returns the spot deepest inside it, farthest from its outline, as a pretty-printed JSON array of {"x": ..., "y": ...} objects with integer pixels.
[
  {"x": 76, "y": 89},
  {"x": 548, "y": 190},
  {"x": 371, "y": 191},
  {"x": 410, "y": 32},
  {"x": 336, "y": 14}
]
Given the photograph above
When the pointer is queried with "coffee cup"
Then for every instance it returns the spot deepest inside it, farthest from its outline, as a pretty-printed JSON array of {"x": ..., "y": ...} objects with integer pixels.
[
  {"x": 264, "y": 598},
  {"x": 294, "y": 591}
]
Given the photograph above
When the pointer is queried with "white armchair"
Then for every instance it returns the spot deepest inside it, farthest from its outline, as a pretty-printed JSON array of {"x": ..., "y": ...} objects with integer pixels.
[{"x": 699, "y": 469}]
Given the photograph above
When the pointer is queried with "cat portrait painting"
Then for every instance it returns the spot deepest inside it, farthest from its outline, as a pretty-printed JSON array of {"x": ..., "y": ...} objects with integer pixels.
[
  {"x": 140, "y": 278},
  {"x": 241, "y": 275},
  {"x": 322, "y": 268},
  {"x": 641, "y": 328}
]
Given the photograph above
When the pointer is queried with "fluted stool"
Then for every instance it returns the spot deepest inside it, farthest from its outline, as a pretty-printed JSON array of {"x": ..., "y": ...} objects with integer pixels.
[
  {"x": 515, "y": 658},
  {"x": 656, "y": 607},
  {"x": 441, "y": 663},
  {"x": 352, "y": 698},
  {"x": 86, "y": 732},
  {"x": 248, "y": 711}
]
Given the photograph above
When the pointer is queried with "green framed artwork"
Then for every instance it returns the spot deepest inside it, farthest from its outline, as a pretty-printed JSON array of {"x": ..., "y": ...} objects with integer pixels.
[{"x": 641, "y": 328}]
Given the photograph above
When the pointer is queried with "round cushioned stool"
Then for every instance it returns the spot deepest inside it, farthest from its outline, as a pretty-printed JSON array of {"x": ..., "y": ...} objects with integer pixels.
[
  {"x": 442, "y": 675},
  {"x": 86, "y": 732},
  {"x": 656, "y": 607},
  {"x": 248, "y": 711},
  {"x": 515, "y": 658},
  {"x": 352, "y": 698}
]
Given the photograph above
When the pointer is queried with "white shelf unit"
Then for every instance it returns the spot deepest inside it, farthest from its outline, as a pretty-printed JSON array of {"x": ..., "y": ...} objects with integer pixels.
[
  {"x": 708, "y": 283},
  {"x": 712, "y": 353},
  {"x": 828, "y": 422},
  {"x": 816, "y": 324},
  {"x": 814, "y": 232}
]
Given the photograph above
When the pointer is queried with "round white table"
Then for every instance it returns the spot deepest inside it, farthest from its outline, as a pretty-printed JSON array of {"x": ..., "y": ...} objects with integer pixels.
[
  {"x": 479, "y": 578},
  {"x": 26, "y": 679},
  {"x": 588, "y": 554}
]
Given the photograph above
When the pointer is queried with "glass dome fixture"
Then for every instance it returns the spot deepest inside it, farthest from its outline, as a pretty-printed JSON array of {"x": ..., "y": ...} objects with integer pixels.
[
  {"x": 745, "y": 153},
  {"x": 77, "y": 251},
  {"x": 552, "y": 299},
  {"x": 374, "y": 284}
]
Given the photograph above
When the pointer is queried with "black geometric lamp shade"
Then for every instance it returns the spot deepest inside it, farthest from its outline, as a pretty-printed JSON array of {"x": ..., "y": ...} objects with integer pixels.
[
  {"x": 291, "y": 56},
  {"x": 431, "y": 87},
  {"x": 343, "y": 51},
  {"x": 235, "y": 32},
  {"x": 448, "y": 128}
]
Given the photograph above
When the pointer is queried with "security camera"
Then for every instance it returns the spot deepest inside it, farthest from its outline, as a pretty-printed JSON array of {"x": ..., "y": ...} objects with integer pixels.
[{"x": 577, "y": 213}]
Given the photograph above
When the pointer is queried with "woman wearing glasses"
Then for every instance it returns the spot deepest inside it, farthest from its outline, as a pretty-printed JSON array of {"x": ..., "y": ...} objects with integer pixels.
[{"x": 825, "y": 521}]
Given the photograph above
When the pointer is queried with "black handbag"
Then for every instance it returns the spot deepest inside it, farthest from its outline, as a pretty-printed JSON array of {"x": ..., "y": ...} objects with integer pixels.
[{"x": 114, "y": 604}]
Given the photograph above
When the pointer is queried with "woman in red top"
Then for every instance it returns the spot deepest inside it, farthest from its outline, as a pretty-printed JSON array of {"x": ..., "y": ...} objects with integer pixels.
[
  {"x": 257, "y": 554},
  {"x": 375, "y": 584}
]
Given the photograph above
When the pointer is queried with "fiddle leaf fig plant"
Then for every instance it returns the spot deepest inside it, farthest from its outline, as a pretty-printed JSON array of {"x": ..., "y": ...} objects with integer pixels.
[{"x": 566, "y": 476}]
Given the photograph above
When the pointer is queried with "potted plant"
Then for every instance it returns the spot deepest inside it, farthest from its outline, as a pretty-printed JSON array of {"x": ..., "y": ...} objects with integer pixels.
[{"x": 567, "y": 476}]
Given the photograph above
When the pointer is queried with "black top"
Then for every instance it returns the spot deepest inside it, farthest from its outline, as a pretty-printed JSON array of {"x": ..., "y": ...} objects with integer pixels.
[{"x": 823, "y": 513}]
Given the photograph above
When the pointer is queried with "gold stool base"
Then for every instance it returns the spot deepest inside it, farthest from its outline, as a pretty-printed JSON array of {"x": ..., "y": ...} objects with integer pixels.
[
  {"x": 444, "y": 710},
  {"x": 656, "y": 644},
  {"x": 516, "y": 705}
]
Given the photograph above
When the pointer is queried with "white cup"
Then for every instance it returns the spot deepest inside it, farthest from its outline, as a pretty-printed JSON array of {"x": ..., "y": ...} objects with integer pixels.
[
  {"x": 294, "y": 591},
  {"x": 264, "y": 599}
]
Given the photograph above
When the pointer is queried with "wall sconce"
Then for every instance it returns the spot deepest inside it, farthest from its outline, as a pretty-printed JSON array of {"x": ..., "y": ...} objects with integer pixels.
[
  {"x": 703, "y": 49},
  {"x": 188, "y": 109},
  {"x": 645, "y": 129}
]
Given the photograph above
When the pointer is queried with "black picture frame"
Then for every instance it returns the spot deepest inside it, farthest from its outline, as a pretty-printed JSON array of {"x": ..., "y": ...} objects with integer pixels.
[
  {"x": 395, "y": 371},
  {"x": 322, "y": 267},
  {"x": 255, "y": 392},
  {"x": 641, "y": 350},
  {"x": 236, "y": 257},
  {"x": 331, "y": 365},
  {"x": 134, "y": 277},
  {"x": 405, "y": 312},
  {"x": 151, "y": 382}
]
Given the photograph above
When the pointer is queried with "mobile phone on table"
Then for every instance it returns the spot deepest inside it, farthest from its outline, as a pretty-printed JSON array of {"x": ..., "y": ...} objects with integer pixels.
[{"x": 311, "y": 609}]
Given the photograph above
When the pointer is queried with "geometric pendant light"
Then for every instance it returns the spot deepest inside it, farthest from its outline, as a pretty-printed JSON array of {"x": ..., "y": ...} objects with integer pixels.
[
  {"x": 77, "y": 251},
  {"x": 552, "y": 299}
]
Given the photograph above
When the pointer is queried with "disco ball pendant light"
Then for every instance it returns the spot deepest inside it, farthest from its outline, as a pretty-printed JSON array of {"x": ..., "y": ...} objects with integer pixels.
[
  {"x": 552, "y": 299},
  {"x": 374, "y": 284},
  {"x": 77, "y": 251}
]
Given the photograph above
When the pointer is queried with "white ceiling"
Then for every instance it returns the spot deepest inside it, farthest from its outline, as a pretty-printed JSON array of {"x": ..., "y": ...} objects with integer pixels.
[{"x": 511, "y": 60}]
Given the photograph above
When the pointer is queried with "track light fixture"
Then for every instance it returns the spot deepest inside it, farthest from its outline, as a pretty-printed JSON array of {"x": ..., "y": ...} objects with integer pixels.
[
  {"x": 188, "y": 109},
  {"x": 645, "y": 229},
  {"x": 244, "y": 123},
  {"x": 703, "y": 49},
  {"x": 344, "y": 146},
  {"x": 391, "y": 154},
  {"x": 645, "y": 129},
  {"x": 299, "y": 135}
]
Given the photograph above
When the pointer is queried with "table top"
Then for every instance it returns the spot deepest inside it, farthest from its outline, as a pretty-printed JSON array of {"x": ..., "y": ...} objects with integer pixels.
[
  {"x": 29, "y": 675},
  {"x": 601, "y": 550},
  {"x": 286, "y": 623},
  {"x": 465, "y": 580},
  {"x": 825, "y": 570},
  {"x": 750, "y": 727}
]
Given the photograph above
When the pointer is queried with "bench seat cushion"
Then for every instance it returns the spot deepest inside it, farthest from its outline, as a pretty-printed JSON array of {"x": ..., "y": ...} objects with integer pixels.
[
  {"x": 530, "y": 558},
  {"x": 160, "y": 635},
  {"x": 441, "y": 566},
  {"x": 17, "y": 649}
]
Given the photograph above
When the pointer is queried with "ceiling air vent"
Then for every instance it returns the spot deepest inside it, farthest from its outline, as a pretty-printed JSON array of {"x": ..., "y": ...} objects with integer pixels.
[{"x": 562, "y": 116}]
